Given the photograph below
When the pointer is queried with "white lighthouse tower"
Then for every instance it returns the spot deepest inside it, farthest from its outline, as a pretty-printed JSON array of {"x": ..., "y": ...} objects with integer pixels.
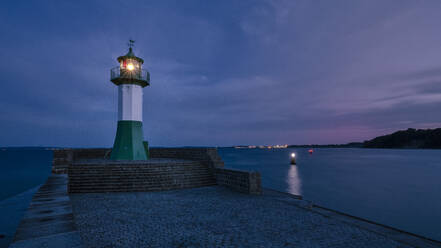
[{"x": 130, "y": 79}]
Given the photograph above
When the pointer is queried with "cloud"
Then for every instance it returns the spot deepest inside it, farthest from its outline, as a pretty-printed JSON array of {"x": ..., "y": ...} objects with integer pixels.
[{"x": 222, "y": 73}]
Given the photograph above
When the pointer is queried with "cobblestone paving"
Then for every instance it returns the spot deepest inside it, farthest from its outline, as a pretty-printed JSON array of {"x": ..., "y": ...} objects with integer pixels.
[{"x": 211, "y": 217}]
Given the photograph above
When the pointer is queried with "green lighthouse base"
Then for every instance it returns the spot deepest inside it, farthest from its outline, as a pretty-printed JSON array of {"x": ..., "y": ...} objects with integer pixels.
[{"x": 129, "y": 142}]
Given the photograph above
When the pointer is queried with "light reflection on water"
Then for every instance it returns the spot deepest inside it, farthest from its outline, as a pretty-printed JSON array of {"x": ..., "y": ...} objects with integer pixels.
[
  {"x": 399, "y": 188},
  {"x": 294, "y": 181}
]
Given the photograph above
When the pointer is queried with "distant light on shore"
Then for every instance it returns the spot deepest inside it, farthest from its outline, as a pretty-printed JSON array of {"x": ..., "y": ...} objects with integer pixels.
[
  {"x": 262, "y": 147},
  {"x": 293, "y": 155}
]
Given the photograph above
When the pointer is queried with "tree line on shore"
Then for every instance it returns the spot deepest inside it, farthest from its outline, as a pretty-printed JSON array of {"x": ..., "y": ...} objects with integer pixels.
[{"x": 410, "y": 138}]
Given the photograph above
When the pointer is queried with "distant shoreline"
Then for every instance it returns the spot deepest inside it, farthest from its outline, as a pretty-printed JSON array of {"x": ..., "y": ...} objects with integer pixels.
[
  {"x": 332, "y": 146},
  {"x": 403, "y": 139}
]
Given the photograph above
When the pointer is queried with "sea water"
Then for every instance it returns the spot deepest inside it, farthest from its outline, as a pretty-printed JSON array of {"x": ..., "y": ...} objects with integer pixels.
[
  {"x": 22, "y": 171},
  {"x": 398, "y": 188}
]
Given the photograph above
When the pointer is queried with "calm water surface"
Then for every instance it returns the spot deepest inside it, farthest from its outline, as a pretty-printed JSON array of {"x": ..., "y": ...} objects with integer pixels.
[
  {"x": 21, "y": 173},
  {"x": 399, "y": 188},
  {"x": 22, "y": 169}
]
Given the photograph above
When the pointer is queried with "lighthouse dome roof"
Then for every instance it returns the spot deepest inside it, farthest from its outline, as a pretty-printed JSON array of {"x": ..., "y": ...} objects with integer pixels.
[{"x": 131, "y": 55}]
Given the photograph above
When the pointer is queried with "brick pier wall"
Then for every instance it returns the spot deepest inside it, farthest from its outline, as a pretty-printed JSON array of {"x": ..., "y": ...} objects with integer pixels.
[
  {"x": 141, "y": 176},
  {"x": 242, "y": 181}
]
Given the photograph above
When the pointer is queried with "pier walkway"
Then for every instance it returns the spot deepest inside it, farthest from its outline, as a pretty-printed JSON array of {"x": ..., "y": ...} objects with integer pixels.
[
  {"x": 210, "y": 216},
  {"x": 49, "y": 221},
  {"x": 217, "y": 217}
]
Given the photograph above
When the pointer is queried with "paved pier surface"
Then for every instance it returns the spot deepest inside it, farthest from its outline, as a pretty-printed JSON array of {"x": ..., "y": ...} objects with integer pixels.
[
  {"x": 217, "y": 217},
  {"x": 48, "y": 221}
]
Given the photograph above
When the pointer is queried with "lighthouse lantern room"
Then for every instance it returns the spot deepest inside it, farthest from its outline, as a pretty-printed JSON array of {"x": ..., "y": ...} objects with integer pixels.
[{"x": 130, "y": 78}]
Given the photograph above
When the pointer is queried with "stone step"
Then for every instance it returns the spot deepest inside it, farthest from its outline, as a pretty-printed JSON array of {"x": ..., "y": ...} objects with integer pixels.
[
  {"x": 140, "y": 180},
  {"x": 156, "y": 180},
  {"x": 143, "y": 180},
  {"x": 141, "y": 174},
  {"x": 165, "y": 175},
  {"x": 134, "y": 166},
  {"x": 137, "y": 189},
  {"x": 139, "y": 171},
  {"x": 116, "y": 179},
  {"x": 177, "y": 164},
  {"x": 145, "y": 185},
  {"x": 143, "y": 177},
  {"x": 136, "y": 170}
]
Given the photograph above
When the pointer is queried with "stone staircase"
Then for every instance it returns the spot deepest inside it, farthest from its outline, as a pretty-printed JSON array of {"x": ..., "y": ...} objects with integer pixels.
[{"x": 89, "y": 177}]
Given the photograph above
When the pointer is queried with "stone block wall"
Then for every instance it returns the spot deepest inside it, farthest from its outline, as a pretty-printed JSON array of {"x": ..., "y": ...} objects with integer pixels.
[
  {"x": 145, "y": 175},
  {"x": 242, "y": 181}
]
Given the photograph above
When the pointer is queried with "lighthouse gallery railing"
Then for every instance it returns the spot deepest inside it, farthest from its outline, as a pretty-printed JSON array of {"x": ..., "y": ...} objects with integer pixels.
[{"x": 137, "y": 74}]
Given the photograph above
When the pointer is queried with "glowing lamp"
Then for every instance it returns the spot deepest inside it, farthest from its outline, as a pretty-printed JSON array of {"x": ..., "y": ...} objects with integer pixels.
[
  {"x": 293, "y": 158},
  {"x": 130, "y": 67}
]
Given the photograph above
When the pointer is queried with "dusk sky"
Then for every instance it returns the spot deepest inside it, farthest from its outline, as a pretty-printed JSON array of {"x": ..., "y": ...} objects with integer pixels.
[{"x": 222, "y": 72}]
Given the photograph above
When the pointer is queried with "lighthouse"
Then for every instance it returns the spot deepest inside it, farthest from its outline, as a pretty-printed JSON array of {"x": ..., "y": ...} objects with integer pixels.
[{"x": 130, "y": 78}]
